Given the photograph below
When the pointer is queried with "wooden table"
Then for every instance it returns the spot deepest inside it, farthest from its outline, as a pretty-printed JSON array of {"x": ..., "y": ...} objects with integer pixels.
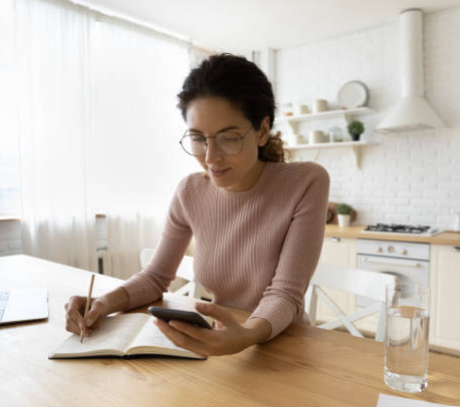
[{"x": 305, "y": 366}]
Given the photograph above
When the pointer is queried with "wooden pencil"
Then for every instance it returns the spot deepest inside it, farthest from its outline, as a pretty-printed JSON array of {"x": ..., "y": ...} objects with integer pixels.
[{"x": 88, "y": 301}]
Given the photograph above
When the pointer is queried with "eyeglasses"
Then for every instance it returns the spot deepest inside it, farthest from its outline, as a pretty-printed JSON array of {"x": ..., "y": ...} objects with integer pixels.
[{"x": 227, "y": 142}]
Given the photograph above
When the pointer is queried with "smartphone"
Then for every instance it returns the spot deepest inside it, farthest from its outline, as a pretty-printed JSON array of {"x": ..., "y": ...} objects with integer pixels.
[{"x": 189, "y": 317}]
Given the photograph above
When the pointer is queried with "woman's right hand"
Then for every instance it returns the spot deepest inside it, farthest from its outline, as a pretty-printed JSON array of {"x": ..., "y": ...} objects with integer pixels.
[{"x": 75, "y": 309}]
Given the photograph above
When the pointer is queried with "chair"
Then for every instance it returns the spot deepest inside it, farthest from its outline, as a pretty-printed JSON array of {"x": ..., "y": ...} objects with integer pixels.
[
  {"x": 184, "y": 271},
  {"x": 365, "y": 283}
]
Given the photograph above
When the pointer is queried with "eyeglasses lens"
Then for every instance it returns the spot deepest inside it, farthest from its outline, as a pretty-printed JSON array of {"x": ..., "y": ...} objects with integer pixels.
[{"x": 228, "y": 143}]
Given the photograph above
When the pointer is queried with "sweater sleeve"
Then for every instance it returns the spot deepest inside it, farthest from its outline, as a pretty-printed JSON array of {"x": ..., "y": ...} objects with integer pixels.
[
  {"x": 149, "y": 284},
  {"x": 283, "y": 300}
]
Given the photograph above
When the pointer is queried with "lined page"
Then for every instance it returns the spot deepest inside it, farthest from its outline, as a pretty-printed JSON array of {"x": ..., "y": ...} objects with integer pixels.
[
  {"x": 150, "y": 335},
  {"x": 114, "y": 333}
]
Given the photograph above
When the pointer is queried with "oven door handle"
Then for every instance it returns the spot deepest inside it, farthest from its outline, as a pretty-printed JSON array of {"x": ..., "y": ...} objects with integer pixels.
[{"x": 393, "y": 262}]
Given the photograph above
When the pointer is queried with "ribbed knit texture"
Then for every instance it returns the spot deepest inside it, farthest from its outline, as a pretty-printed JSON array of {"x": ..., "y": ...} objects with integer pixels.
[{"x": 256, "y": 250}]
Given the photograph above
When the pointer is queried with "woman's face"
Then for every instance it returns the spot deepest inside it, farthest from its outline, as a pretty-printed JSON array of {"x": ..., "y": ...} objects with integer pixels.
[{"x": 209, "y": 116}]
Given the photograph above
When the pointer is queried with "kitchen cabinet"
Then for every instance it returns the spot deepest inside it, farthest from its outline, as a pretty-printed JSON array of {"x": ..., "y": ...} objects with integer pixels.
[
  {"x": 340, "y": 252},
  {"x": 445, "y": 296}
]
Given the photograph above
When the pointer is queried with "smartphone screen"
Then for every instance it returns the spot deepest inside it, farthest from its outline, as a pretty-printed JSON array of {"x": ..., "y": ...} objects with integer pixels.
[{"x": 189, "y": 317}]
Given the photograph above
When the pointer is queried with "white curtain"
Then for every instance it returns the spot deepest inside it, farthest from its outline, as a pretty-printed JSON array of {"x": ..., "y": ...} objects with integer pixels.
[
  {"x": 55, "y": 122},
  {"x": 100, "y": 133},
  {"x": 138, "y": 130}
]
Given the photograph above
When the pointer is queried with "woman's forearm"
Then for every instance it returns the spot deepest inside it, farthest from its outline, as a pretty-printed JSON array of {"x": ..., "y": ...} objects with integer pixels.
[
  {"x": 116, "y": 300},
  {"x": 258, "y": 330}
]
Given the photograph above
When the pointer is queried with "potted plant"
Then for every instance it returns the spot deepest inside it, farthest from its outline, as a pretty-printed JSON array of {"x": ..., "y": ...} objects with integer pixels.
[
  {"x": 355, "y": 128},
  {"x": 343, "y": 214}
]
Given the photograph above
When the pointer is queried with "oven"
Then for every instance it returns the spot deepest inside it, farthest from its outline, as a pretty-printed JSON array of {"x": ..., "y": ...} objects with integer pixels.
[{"x": 409, "y": 262}]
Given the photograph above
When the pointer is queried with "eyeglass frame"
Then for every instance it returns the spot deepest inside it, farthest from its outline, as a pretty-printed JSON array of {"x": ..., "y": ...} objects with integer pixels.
[{"x": 240, "y": 138}]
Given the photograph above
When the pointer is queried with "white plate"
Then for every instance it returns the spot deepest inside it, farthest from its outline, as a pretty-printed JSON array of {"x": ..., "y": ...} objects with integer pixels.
[{"x": 353, "y": 94}]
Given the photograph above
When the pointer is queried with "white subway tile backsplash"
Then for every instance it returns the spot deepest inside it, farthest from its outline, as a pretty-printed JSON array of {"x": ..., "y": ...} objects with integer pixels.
[
  {"x": 454, "y": 204},
  {"x": 431, "y": 203},
  {"x": 438, "y": 211},
  {"x": 436, "y": 194},
  {"x": 448, "y": 187},
  {"x": 398, "y": 202},
  {"x": 410, "y": 194},
  {"x": 371, "y": 202},
  {"x": 445, "y": 220},
  {"x": 390, "y": 218},
  {"x": 390, "y": 209},
  {"x": 408, "y": 210},
  {"x": 421, "y": 220}
]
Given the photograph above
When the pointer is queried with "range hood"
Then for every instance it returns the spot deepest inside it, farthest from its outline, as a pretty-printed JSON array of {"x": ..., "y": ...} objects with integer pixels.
[{"x": 412, "y": 112}]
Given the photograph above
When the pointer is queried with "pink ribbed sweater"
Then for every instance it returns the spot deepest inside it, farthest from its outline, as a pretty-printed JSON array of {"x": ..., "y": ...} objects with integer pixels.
[{"x": 255, "y": 250}]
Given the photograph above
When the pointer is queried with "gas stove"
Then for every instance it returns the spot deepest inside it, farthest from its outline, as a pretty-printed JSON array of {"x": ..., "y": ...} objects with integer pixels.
[{"x": 425, "y": 231}]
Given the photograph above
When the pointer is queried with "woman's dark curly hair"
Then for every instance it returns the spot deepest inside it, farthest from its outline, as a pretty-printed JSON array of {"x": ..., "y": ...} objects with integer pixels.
[{"x": 241, "y": 82}]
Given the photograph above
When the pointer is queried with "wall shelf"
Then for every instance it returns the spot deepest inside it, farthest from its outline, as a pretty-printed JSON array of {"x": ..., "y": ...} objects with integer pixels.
[
  {"x": 354, "y": 146},
  {"x": 346, "y": 114},
  {"x": 330, "y": 114}
]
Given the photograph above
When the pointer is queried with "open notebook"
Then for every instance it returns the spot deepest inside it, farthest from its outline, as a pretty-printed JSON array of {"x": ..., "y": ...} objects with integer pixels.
[{"x": 122, "y": 335}]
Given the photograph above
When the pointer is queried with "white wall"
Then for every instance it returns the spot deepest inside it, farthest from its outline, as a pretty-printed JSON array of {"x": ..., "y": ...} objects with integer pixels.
[{"x": 407, "y": 178}]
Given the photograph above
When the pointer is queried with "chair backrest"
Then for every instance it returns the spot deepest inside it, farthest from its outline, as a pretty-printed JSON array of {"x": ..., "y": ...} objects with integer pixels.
[
  {"x": 360, "y": 282},
  {"x": 366, "y": 283}
]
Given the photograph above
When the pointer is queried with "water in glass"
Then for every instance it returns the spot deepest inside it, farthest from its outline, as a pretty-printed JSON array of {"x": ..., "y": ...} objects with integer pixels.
[{"x": 406, "y": 350}]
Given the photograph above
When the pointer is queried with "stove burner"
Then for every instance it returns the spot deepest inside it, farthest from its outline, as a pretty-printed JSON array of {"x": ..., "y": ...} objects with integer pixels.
[{"x": 382, "y": 227}]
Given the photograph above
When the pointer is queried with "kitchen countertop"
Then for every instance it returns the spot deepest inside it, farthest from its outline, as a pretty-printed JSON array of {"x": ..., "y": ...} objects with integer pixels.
[{"x": 355, "y": 232}]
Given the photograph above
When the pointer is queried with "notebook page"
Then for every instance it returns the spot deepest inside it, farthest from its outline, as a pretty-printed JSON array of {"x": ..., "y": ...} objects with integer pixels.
[
  {"x": 113, "y": 333},
  {"x": 150, "y": 335},
  {"x": 386, "y": 400}
]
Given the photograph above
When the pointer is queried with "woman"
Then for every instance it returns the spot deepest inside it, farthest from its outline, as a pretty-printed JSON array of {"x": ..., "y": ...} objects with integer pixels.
[{"x": 258, "y": 222}]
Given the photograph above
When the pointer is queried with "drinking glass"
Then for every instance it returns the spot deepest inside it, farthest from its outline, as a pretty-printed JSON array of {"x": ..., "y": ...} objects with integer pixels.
[{"x": 406, "y": 339}]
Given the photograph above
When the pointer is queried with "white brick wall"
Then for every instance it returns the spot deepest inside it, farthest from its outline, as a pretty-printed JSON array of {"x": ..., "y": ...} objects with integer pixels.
[{"x": 408, "y": 178}]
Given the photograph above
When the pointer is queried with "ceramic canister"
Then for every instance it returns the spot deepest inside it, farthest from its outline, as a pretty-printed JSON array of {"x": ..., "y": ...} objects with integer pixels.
[
  {"x": 317, "y": 136},
  {"x": 320, "y": 105}
]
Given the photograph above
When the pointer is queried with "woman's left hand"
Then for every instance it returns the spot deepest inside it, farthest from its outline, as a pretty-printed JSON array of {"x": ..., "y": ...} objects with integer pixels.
[{"x": 227, "y": 337}]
